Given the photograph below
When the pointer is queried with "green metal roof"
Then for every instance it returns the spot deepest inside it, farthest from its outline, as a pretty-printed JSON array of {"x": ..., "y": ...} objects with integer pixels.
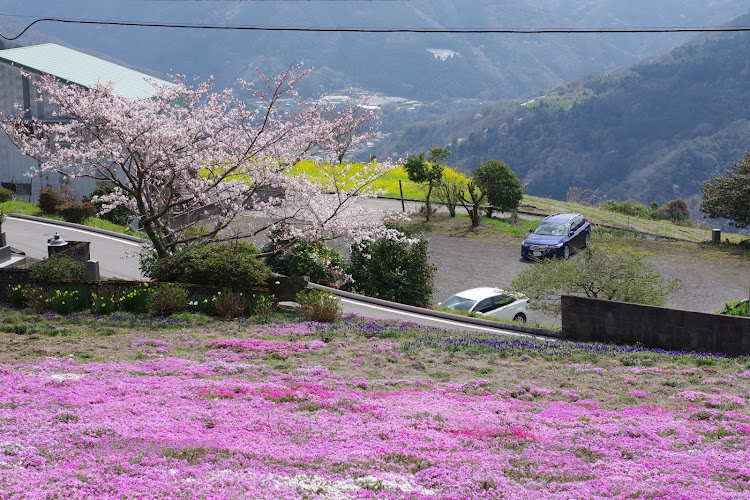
[{"x": 82, "y": 69}]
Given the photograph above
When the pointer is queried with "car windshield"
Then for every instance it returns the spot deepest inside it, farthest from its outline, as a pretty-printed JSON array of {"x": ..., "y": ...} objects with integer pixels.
[
  {"x": 458, "y": 303},
  {"x": 550, "y": 229}
]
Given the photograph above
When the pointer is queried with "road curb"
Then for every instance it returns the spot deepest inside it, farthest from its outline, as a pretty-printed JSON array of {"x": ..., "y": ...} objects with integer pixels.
[
  {"x": 73, "y": 225},
  {"x": 541, "y": 332}
]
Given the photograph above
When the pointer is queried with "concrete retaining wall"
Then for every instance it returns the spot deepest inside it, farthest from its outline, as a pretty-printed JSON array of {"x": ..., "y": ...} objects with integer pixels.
[
  {"x": 76, "y": 250},
  {"x": 656, "y": 327}
]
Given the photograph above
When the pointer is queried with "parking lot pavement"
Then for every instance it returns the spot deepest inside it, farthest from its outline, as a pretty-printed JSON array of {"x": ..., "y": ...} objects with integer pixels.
[{"x": 707, "y": 285}]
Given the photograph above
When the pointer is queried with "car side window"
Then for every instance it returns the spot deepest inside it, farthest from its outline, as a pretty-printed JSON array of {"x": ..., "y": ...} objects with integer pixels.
[
  {"x": 485, "y": 305},
  {"x": 503, "y": 300},
  {"x": 492, "y": 303}
]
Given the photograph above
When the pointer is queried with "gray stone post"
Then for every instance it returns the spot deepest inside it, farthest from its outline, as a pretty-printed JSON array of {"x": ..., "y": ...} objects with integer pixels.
[
  {"x": 716, "y": 236},
  {"x": 92, "y": 270}
]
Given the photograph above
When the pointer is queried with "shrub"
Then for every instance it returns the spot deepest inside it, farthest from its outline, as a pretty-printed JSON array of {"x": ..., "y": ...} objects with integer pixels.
[
  {"x": 102, "y": 304},
  {"x": 621, "y": 277},
  {"x": 76, "y": 212},
  {"x": 235, "y": 266},
  {"x": 36, "y": 298},
  {"x": 146, "y": 261},
  {"x": 67, "y": 301},
  {"x": 58, "y": 268},
  {"x": 6, "y": 195},
  {"x": 229, "y": 304},
  {"x": 735, "y": 308},
  {"x": 674, "y": 210},
  {"x": 317, "y": 305},
  {"x": 317, "y": 261},
  {"x": 166, "y": 299},
  {"x": 629, "y": 207},
  {"x": 134, "y": 299},
  {"x": 52, "y": 197},
  {"x": 200, "y": 304},
  {"x": 16, "y": 296},
  {"x": 119, "y": 215},
  {"x": 392, "y": 270},
  {"x": 262, "y": 305}
]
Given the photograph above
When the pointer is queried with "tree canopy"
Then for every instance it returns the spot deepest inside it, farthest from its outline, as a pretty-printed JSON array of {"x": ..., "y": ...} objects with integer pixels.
[
  {"x": 494, "y": 183},
  {"x": 504, "y": 190},
  {"x": 427, "y": 171},
  {"x": 620, "y": 276},
  {"x": 188, "y": 147},
  {"x": 728, "y": 196}
]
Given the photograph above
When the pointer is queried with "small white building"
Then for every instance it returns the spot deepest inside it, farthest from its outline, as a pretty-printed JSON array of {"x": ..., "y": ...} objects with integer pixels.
[{"x": 69, "y": 66}]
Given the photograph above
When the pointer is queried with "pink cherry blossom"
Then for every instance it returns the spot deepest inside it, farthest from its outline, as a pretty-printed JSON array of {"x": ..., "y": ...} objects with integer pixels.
[{"x": 189, "y": 147}]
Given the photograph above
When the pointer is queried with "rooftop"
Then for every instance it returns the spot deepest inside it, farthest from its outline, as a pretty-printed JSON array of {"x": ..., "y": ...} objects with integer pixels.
[{"x": 82, "y": 69}]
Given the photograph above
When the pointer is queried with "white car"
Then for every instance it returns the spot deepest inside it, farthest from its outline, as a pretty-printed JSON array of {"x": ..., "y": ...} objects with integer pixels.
[{"x": 488, "y": 301}]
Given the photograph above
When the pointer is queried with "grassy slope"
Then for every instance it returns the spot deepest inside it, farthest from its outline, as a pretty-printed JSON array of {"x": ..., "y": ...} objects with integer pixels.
[
  {"x": 25, "y": 208},
  {"x": 596, "y": 215}
]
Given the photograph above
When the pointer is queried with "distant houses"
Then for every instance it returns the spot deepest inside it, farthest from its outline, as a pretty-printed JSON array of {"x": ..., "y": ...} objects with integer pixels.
[{"x": 70, "y": 66}]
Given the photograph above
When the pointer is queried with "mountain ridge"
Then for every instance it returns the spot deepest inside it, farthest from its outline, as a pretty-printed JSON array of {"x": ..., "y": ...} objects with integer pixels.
[
  {"x": 652, "y": 132},
  {"x": 486, "y": 67}
]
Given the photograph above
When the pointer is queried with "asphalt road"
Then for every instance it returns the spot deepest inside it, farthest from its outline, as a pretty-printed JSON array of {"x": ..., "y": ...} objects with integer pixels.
[
  {"x": 708, "y": 280},
  {"x": 379, "y": 312},
  {"x": 30, "y": 237}
]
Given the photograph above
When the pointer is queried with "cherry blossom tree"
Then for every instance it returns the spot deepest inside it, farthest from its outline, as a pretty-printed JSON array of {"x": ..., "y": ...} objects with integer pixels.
[{"x": 190, "y": 147}]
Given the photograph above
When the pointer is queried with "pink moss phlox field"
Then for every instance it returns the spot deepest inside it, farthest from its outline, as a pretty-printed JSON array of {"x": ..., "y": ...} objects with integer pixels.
[
  {"x": 282, "y": 349},
  {"x": 225, "y": 426},
  {"x": 292, "y": 330},
  {"x": 152, "y": 346}
]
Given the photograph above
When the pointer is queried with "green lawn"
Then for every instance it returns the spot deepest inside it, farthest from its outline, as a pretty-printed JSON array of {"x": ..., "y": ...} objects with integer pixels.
[{"x": 26, "y": 208}]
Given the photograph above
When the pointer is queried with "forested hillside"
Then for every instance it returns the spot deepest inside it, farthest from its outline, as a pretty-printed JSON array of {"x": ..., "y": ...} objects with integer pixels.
[
  {"x": 652, "y": 132},
  {"x": 425, "y": 67}
]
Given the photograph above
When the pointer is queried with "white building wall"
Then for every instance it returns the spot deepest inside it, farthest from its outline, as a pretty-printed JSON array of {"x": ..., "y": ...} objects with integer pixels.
[{"x": 14, "y": 166}]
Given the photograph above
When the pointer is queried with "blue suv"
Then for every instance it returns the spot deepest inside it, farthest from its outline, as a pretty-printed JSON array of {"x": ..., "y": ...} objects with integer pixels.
[{"x": 556, "y": 236}]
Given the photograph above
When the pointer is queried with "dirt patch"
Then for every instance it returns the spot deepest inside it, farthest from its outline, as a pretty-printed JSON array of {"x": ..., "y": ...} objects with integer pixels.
[{"x": 30, "y": 337}]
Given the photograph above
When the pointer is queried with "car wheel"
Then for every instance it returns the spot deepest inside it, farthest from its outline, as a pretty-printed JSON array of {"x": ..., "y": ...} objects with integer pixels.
[
  {"x": 587, "y": 241},
  {"x": 520, "y": 317},
  {"x": 566, "y": 252}
]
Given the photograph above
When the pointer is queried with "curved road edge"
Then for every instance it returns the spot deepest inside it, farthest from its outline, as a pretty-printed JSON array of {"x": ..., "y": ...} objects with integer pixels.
[
  {"x": 114, "y": 251},
  {"x": 440, "y": 315},
  {"x": 81, "y": 227}
]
